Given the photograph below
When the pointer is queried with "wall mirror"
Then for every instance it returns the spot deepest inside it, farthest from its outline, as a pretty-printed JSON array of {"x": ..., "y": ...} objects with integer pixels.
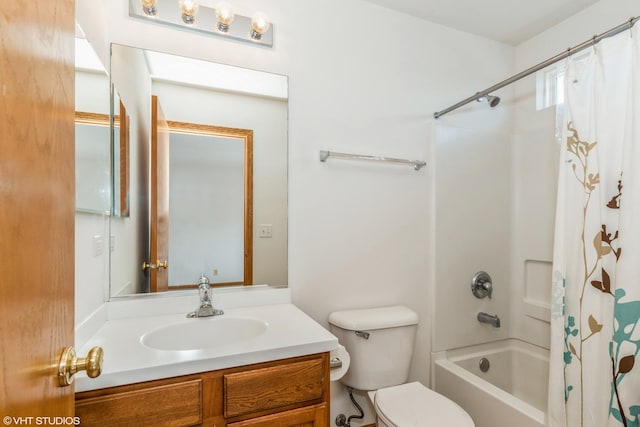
[
  {"x": 217, "y": 192},
  {"x": 93, "y": 152},
  {"x": 101, "y": 120}
]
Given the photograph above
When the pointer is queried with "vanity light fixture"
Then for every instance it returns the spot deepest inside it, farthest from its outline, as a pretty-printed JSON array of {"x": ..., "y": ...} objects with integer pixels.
[
  {"x": 224, "y": 16},
  {"x": 259, "y": 25},
  {"x": 189, "y": 8},
  {"x": 220, "y": 21},
  {"x": 149, "y": 7}
]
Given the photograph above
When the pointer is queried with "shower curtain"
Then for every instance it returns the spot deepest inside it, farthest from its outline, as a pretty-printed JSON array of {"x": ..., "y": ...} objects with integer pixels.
[{"x": 595, "y": 320}]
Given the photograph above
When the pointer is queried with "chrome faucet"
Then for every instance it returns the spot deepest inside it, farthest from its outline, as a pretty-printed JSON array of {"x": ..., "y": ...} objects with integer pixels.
[
  {"x": 493, "y": 320},
  {"x": 206, "y": 305}
]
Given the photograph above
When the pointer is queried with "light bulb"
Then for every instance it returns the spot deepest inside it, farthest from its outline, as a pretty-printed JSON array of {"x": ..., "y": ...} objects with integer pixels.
[
  {"x": 189, "y": 9},
  {"x": 149, "y": 7},
  {"x": 224, "y": 15},
  {"x": 259, "y": 25}
]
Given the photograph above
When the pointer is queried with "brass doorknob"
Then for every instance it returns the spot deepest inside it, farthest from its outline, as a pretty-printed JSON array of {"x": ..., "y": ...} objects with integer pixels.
[
  {"x": 70, "y": 364},
  {"x": 157, "y": 266}
]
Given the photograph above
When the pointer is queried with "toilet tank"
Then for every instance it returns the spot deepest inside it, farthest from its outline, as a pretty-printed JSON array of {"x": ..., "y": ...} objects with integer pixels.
[{"x": 380, "y": 345}]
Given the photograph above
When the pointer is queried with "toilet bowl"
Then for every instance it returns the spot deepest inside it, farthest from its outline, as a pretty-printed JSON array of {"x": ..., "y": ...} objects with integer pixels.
[
  {"x": 414, "y": 405},
  {"x": 380, "y": 342}
]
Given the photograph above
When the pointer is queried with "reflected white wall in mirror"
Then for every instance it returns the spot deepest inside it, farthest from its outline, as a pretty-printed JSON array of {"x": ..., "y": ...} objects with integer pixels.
[
  {"x": 206, "y": 222},
  {"x": 93, "y": 168},
  {"x": 216, "y": 101}
]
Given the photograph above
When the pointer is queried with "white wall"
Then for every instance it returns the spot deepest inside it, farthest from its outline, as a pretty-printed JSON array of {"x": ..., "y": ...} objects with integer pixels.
[
  {"x": 535, "y": 167},
  {"x": 91, "y": 268},
  {"x": 365, "y": 80}
]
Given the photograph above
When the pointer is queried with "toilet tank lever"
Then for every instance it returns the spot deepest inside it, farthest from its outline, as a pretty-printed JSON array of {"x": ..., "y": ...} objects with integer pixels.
[{"x": 362, "y": 334}]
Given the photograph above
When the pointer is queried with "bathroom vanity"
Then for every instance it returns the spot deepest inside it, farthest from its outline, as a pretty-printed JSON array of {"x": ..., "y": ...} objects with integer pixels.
[
  {"x": 255, "y": 365},
  {"x": 292, "y": 391}
]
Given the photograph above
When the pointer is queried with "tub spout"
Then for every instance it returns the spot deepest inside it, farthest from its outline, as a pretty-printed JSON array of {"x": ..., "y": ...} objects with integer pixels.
[{"x": 493, "y": 320}]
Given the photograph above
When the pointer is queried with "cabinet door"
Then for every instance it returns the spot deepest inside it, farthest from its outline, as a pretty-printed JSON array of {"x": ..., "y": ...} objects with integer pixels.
[
  {"x": 300, "y": 382},
  {"x": 309, "y": 416},
  {"x": 177, "y": 404}
]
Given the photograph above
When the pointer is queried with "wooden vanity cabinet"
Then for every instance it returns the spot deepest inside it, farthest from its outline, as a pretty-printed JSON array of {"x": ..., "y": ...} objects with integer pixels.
[{"x": 281, "y": 393}]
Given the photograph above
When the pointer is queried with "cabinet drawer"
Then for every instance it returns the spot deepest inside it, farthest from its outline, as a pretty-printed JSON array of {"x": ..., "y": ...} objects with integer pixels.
[
  {"x": 177, "y": 404},
  {"x": 273, "y": 387},
  {"x": 309, "y": 416}
]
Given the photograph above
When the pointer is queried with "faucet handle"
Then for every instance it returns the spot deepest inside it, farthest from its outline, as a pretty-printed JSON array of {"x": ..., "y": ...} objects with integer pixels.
[
  {"x": 203, "y": 280},
  {"x": 488, "y": 286},
  {"x": 481, "y": 285}
]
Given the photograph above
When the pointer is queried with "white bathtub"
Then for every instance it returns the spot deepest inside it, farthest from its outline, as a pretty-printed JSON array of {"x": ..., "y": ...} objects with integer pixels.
[{"x": 513, "y": 392}]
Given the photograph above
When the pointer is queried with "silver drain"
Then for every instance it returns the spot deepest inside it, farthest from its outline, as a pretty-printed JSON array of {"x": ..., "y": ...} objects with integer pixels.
[{"x": 484, "y": 364}]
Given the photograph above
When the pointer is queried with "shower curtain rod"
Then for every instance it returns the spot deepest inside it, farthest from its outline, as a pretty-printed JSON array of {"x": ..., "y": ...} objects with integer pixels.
[{"x": 570, "y": 51}]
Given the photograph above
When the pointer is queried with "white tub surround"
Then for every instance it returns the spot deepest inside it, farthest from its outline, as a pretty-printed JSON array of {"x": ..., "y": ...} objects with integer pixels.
[{"x": 289, "y": 333}]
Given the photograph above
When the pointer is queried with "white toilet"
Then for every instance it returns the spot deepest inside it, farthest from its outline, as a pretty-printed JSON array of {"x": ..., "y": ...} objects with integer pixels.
[{"x": 380, "y": 344}]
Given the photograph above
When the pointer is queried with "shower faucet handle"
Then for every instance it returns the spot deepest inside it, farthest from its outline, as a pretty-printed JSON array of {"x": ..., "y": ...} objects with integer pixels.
[{"x": 481, "y": 285}]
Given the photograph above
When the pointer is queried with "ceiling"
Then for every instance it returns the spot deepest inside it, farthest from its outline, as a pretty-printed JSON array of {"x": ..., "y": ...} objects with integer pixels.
[{"x": 507, "y": 21}]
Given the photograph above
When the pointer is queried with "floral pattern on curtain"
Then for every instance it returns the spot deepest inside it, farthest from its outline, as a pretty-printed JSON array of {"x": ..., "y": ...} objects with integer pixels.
[{"x": 595, "y": 325}]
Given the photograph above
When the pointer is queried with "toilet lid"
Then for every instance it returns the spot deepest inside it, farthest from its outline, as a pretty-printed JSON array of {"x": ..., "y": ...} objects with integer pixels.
[{"x": 414, "y": 405}]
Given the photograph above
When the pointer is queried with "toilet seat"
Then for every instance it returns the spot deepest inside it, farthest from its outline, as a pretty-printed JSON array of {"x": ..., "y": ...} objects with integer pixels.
[{"x": 414, "y": 405}]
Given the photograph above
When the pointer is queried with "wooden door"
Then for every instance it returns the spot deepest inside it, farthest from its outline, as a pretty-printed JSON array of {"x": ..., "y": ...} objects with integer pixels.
[
  {"x": 37, "y": 206},
  {"x": 159, "y": 276}
]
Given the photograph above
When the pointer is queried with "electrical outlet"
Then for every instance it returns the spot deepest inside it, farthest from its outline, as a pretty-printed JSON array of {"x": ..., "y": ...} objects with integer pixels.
[
  {"x": 98, "y": 245},
  {"x": 215, "y": 271}
]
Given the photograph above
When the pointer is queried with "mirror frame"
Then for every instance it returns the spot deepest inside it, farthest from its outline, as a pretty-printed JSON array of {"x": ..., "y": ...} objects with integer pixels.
[{"x": 246, "y": 136}]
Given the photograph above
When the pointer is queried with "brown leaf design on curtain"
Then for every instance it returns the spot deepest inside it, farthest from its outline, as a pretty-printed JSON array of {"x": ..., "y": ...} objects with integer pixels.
[
  {"x": 626, "y": 364},
  {"x": 608, "y": 239},
  {"x": 594, "y": 325},
  {"x": 614, "y": 203},
  {"x": 603, "y": 286},
  {"x": 601, "y": 249},
  {"x": 592, "y": 180}
]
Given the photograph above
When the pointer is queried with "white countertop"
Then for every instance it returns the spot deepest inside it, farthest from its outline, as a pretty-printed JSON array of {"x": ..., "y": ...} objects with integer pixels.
[{"x": 289, "y": 333}]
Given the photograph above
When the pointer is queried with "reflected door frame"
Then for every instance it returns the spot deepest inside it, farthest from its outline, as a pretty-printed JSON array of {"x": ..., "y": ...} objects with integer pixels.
[
  {"x": 246, "y": 135},
  {"x": 159, "y": 227}
]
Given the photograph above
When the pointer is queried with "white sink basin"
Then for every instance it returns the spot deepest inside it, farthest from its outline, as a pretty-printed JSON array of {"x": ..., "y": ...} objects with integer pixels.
[
  {"x": 157, "y": 345},
  {"x": 204, "y": 333}
]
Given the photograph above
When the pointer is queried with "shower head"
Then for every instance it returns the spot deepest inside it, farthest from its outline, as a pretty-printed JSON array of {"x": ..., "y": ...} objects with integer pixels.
[{"x": 492, "y": 100}]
